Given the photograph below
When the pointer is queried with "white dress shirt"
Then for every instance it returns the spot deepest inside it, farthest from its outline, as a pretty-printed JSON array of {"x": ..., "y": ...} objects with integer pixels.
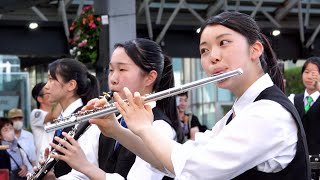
[
  {"x": 141, "y": 169},
  {"x": 314, "y": 97},
  {"x": 263, "y": 134},
  {"x": 41, "y": 137},
  {"x": 86, "y": 141},
  {"x": 26, "y": 142}
]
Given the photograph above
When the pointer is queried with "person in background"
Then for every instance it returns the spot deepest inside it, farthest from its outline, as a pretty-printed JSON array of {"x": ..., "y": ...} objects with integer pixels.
[
  {"x": 14, "y": 158},
  {"x": 308, "y": 106},
  {"x": 261, "y": 137},
  {"x": 189, "y": 122},
  {"x": 71, "y": 85},
  {"x": 24, "y": 137},
  {"x": 43, "y": 115}
]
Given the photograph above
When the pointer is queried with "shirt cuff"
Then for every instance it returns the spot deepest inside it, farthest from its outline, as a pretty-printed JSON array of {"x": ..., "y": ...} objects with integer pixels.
[{"x": 114, "y": 176}]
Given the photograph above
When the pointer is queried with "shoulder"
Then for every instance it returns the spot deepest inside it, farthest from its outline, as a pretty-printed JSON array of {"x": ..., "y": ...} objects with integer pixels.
[
  {"x": 38, "y": 113},
  {"x": 27, "y": 133},
  {"x": 261, "y": 110}
]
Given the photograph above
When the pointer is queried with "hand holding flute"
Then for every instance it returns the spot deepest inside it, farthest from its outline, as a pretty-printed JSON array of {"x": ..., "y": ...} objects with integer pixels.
[
  {"x": 107, "y": 124},
  {"x": 135, "y": 112}
]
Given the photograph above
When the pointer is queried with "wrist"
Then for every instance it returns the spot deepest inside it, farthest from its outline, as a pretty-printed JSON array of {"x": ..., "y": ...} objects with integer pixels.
[{"x": 144, "y": 131}]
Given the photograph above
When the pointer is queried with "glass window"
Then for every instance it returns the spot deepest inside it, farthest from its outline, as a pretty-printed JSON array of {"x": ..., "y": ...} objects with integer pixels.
[
  {"x": 14, "y": 87},
  {"x": 209, "y": 103}
]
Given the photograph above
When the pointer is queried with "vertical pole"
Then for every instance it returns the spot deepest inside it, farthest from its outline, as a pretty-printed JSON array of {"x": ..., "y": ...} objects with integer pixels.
[{"x": 121, "y": 27}]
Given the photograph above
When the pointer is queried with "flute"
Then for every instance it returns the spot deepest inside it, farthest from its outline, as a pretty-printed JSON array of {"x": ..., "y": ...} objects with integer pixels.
[{"x": 109, "y": 109}]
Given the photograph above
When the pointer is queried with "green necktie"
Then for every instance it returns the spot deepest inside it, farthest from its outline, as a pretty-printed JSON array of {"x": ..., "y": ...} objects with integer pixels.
[{"x": 307, "y": 107}]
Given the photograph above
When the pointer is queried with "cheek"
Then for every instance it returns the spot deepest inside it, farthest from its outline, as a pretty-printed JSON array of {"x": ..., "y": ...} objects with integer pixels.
[
  {"x": 304, "y": 77},
  {"x": 205, "y": 66}
]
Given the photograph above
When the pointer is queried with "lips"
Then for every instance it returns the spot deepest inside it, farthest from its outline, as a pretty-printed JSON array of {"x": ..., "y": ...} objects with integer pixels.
[{"x": 219, "y": 70}]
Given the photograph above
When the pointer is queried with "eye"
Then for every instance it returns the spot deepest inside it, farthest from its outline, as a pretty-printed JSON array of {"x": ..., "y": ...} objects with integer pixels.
[
  {"x": 224, "y": 42},
  {"x": 203, "y": 50}
]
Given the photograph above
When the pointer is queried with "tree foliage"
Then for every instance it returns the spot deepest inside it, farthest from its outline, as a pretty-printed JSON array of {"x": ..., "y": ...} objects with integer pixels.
[{"x": 294, "y": 83}]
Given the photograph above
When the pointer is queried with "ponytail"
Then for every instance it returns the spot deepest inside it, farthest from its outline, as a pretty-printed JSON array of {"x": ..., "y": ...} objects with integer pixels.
[
  {"x": 71, "y": 69},
  {"x": 270, "y": 64},
  {"x": 91, "y": 90},
  {"x": 169, "y": 105}
]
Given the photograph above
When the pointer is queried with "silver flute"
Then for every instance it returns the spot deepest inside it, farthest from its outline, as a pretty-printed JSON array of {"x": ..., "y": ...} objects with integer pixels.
[{"x": 110, "y": 108}]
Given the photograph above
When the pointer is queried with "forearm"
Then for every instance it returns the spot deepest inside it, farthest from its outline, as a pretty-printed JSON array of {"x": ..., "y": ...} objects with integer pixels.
[
  {"x": 160, "y": 146},
  {"x": 135, "y": 144},
  {"x": 93, "y": 172}
]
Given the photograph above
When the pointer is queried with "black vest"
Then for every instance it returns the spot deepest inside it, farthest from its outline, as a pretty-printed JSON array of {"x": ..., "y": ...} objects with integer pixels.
[
  {"x": 299, "y": 167},
  {"x": 61, "y": 168},
  {"x": 311, "y": 123},
  {"x": 120, "y": 160},
  {"x": 4, "y": 159}
]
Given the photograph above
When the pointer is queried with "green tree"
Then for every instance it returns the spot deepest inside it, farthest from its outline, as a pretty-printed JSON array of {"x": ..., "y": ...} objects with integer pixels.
[{"x": 294, "y": 83}]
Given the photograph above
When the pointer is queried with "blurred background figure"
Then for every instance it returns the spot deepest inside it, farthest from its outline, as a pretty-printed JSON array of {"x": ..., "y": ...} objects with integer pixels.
[
  {"x": 308, "y": 106},
  {"x": 189, "y": 122},
  {"x": 25, "y": 138},
  {"x": 44, "y": 114},
  {"x": 14, "y": 158}
]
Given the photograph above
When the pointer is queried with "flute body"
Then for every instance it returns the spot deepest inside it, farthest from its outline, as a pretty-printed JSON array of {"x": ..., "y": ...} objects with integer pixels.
[{"x": 109, "y": 109}]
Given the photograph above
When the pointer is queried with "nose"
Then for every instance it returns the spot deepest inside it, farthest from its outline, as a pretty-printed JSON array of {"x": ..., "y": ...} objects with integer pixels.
[
  {"x": 214, "y": 56},
  {"x": 46, "y": 86},
  {"x": 113, "y": 78}
]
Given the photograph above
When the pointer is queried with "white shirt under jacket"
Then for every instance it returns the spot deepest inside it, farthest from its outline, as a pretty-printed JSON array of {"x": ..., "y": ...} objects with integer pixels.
[
  {"x": 141, "y": 169},
  {"x": 41, "y": 137},
  {"x": 262, "y": 134},
  {"x": 86, "y": 141}
]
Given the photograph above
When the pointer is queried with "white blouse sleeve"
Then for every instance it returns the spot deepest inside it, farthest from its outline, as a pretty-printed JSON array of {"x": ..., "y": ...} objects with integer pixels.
[
  {"x": 254, "y": 138},
  {"x": 143, "y": 170}
]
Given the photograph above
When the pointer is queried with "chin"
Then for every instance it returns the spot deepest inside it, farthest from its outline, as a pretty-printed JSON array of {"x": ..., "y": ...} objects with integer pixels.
[{"x": 224, "y": 84}]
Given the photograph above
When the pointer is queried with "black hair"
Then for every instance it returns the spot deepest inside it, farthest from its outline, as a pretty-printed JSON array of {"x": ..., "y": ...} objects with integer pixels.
[
  {"x": 184, "y": 94},
  {"x": 71, "y": 69},
  {"x": 247, "y": 26},
  {"x": 148, "y": 55},
  {"x": 4, "y": 121},
  {"x": 311, "y": 60},
  {"x": 38, "y": 91}
]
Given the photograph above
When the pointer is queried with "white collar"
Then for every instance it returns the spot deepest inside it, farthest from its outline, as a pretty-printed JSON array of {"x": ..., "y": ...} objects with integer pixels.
[
  {"x": 314, "y": 95},
  {"x": 72, "y": 107},
  {"x": 252, "y": 92}
]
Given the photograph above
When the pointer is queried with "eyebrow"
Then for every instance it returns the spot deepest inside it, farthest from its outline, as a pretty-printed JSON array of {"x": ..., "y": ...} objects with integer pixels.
[
  {"x": 218, "y": 37},
  {"x": 221, "y": 35}
]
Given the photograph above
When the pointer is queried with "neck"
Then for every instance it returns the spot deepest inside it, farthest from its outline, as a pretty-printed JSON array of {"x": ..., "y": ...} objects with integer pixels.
[
  {"x": 67, "y": 101},
  {"x": 311, "y": 91},
  {"x": 17, "y": 133},
  {"x": 181, "y": 114},
  {"x": 45, "y": 107},
  {"x": 239, "y": 89}
]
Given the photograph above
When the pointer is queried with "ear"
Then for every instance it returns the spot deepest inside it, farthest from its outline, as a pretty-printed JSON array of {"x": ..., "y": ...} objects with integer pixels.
[
  {"x": 40, "y": 99},
  {"x": 256, "y": 51},
  {"x": 72, "y": 85},
  {"x": 151, "y": 77}
]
